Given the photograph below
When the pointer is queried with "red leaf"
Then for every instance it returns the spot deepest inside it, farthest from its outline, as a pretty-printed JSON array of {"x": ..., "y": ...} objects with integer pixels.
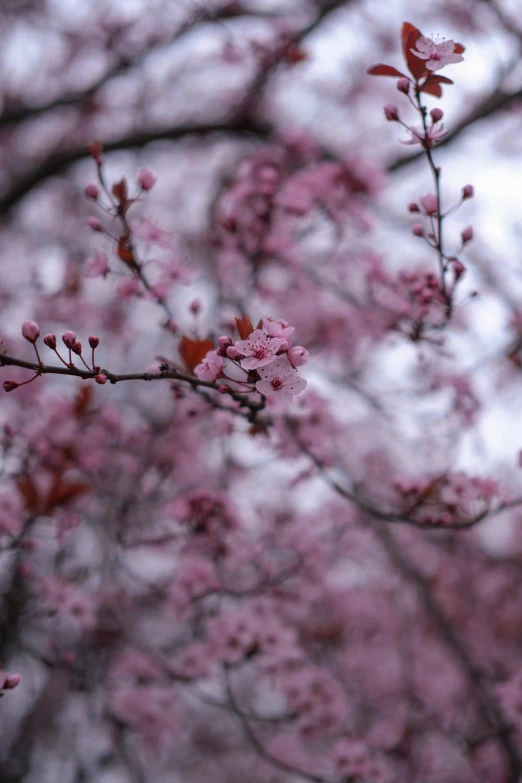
[
  {"x": 28, "y": 491},
  {"x": 125, "y": 250},
  {"x": 432, "y": 85},
  {"x": 82, "y": 400},
  {"x": 432, "y": 88},
  {"x": 62, "y": 493},
  {"x": 119, "y": 191},
  {"x": 409, "y": 36},
  {"x": 459, "y": 49},
  {"x": 193, "y": 351},
  {"x": 294, "y": 54},
  {"x": 384, "y": 70},
  {"x": 95, "y": 149},
  {"x": 244, "y": 327}
]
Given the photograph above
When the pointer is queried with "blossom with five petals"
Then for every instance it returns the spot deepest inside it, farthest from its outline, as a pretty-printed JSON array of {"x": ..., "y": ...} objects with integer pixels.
[
  {"x": 259, "y": 349},
  {"x": 280, "y": 380},
  {"x": 437, "y": 55}
]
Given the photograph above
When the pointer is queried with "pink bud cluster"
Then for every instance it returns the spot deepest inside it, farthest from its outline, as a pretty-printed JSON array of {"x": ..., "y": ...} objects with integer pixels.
[
  {"x": 266, "y": 357},
  {"x": 31, "y": 332}
]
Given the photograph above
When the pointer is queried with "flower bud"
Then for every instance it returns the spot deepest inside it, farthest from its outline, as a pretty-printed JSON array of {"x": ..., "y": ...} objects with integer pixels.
[
  {"x": 94, "y": 224},
  {"x": 100, "y": 378},
  {"x": 31, "y": 331},
  {"x": 429, "y": 204},
  {"x": 403, "y": 85},
  {"x": 417, "y": 230},
  {"x": 76, "y": 347},
  {"x": 11, "y": 681},
  {"x": 224, "y": 341},
  {"x": 94, "y": 342},
  {"x": 413, "y": 207},
  {"x": 224, "y": 389},
  {"x": 232, "y": 352},
  {"x": 467, "y": 192},
  {"x": 459, "y": 269},
  {"x": 69, "y": 339},
  {"x": 146, "y": 179},
  {"x": 436, "y": 114},
  {"x": 466, "y": 234},
  {"x": 91, "y": 191},
  {"x": 9, "y": 386},
  {"x": 25, "y": 570},
  {"x": 298, "y": 356},
  {"x": 391, "y": 112},
  {"x": 50, "y": 341}
]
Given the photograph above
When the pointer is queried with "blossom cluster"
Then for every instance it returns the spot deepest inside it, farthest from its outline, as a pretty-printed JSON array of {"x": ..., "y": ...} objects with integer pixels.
[
  {"x": 265, "y": 356},
  {"x": 449, "y": 499}
]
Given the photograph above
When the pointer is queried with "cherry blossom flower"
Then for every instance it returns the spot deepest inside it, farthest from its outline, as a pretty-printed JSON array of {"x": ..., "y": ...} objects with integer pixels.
[
  {"x": 210, "y": 368},
  {"x": 277, "y": 328},
  {"x": 437, "y": 55},
  {"x": 280, "y": 379},
  {"x": 97, "y": 265},
  {"x": 259, "y": 349},
  {"x": 428, "y": 137}
]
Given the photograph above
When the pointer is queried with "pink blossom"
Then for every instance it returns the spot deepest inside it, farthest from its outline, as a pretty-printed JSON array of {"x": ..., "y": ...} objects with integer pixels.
[
  {"x": 278, "y": 328},
  {"x": 92, "y": 191},
  {"x": 69, "y": 338},
  {"x": 466, "y": 234},
  {"x": 97, "y": 265},
  {"x": 391, "y": 112},
  {"x": 437, "y": 55},
  {"x": 260, "y": 349},
  {"x": 210, "y": 368},
  {"x": 298, "y": 356},
  {"x": 428, "y": 137},
  {"x": 128, "y": 287},
  {"x": 31, "y": 331},
  {"x": 94, "y": 223},
  {"x": 280, "y": 379},
  {"x": 429, "y": 204},
  {"x": 146, "y": 178},
  {"x": 50, "y": 341}
]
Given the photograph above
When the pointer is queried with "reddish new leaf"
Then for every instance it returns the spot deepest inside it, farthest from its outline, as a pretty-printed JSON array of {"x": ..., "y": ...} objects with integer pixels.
[
  {"x": 409, "y": 36},
  {"x": 125, "y": 250},
  {"x": 82, "y": 400},
  {"x": 432, "y": 88},
  {"x": 244, "y": 327},
  {"x": 193, "y": 351},
  {"x": 29, "y": 492},
  {"x": 384, "y": 70},
  {"x": 119, "y": 191},
  {"x": 294, "y": 54},
  {"x": 432, "y": 85},
  {"x": 95, "y": 149},
  {"x": 62, "y": 493}
]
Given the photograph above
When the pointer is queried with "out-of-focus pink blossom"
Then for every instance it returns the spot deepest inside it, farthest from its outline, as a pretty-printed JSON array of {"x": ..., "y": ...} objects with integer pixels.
[
  {"x": 97, "y": 265},
  {"x": 210, "y": 368},
  {"x": 146, "y": 178}
]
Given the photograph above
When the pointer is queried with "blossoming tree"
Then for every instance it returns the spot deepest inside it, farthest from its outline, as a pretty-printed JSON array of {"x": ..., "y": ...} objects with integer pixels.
[{"x": 251, "y": 524}]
